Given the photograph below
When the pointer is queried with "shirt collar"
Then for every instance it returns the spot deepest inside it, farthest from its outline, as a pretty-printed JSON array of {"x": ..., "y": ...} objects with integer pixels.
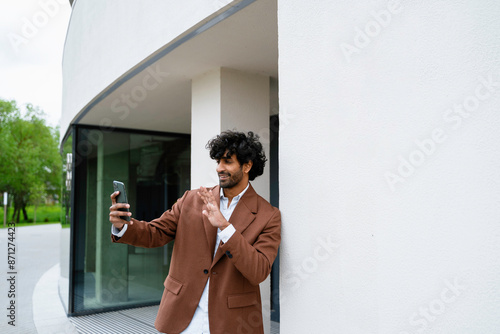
[{"x": 237, "y": 198}]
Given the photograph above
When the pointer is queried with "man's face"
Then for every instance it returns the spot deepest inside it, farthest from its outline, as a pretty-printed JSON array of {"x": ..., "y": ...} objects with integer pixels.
[{"x": 229, "y": 170}]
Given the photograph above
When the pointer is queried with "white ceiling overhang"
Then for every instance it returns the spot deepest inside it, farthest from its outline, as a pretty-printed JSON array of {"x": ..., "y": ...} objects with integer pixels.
[{"x": 156, "y": 94}]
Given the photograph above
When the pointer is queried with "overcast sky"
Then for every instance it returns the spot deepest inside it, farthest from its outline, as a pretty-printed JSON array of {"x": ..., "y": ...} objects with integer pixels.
[{"x": 32, "y": 34}]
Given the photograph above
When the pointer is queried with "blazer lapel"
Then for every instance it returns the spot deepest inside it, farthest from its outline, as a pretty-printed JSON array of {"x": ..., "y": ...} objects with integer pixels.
[
  {"x": 243, "y": 215},
  {"x": 245, "y": 210}
]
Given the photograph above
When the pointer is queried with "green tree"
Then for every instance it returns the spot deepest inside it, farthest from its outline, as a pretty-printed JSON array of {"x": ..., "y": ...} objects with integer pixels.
[
  {"x": 29, "y": 156},
  {"x": 37, "y": 194}
]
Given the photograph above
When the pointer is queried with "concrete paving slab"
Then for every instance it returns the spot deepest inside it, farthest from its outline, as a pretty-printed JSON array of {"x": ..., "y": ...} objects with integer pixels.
[{"x": 48, "y": 312}]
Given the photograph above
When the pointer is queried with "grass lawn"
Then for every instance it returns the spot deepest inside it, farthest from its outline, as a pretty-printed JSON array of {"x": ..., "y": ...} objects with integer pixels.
[
  {"x": 31, "y": 224},
  {"x": 47, "y": 214}
]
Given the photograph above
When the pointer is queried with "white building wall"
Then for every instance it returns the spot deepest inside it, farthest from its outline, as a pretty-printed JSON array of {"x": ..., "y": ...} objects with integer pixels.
[
  {"x": 108, "y": 38},
  {"x": 389, "y": 166}
]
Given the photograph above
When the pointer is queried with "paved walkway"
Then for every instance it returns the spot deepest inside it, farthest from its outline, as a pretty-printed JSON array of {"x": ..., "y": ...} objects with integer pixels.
[{"x": 37, "y": 251}]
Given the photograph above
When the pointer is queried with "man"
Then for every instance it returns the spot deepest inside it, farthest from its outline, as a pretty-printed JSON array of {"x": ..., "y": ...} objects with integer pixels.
[{"x": 226, "y": 239}]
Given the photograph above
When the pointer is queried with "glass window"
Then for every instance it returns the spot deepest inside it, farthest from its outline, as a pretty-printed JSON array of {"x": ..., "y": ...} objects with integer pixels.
[
  {"x": 155, "y": 168},
  {"x": 67, "y": 176}
]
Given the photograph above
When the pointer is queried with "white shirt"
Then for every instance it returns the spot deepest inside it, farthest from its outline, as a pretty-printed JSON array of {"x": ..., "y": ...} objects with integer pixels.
[{"x": 199, "y": 324}]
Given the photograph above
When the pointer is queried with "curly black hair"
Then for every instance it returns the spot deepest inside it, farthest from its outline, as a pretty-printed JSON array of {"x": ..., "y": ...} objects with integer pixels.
[{"x": 246, "y": 147}]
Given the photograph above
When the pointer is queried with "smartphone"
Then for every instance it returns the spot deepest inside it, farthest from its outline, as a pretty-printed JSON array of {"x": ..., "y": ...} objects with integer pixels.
[{"x": 122, "y": 197}]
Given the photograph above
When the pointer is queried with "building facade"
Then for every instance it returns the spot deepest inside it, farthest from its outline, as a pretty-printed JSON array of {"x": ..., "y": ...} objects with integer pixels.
[{"x": 381, "y": 140}]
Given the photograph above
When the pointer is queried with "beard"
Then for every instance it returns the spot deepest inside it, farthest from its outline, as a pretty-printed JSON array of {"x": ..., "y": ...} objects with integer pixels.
[{"x": 232, "y": 179}]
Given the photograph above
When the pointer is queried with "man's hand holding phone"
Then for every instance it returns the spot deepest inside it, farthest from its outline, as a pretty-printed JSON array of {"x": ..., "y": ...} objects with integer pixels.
[{"x": 119, "y": 214}]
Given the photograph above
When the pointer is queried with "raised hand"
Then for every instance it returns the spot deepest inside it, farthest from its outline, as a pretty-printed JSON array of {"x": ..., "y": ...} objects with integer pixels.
[
  {"x": 115, "y": 214},
  {"x": 212, "y": 212}
]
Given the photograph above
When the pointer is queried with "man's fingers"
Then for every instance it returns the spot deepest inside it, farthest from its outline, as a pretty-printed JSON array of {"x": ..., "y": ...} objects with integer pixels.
[
  {"x": 202, "y": 197},
  {"x": 118, "y": 213},
  {"x": 206, "y": 195},
  {"x": 211, "y": 197},
  {"x": 117, "y": 206},
  {"x": 113, "y": 197},
  {"x": 203, "y": 193}
]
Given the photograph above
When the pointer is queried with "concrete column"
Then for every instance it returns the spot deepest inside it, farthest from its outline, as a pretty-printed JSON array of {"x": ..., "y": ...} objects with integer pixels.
[
  {"x": 111, "y": 259},
  {"x": 226, "y": 99},
  {"x": 90, "y": 226},
  {"x": 205, "y": 123}
]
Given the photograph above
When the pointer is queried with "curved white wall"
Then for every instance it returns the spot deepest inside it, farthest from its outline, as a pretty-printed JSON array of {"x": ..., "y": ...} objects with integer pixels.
[
  {"x": 370, "y": 243},
  {"x": 105, "y": 39}
]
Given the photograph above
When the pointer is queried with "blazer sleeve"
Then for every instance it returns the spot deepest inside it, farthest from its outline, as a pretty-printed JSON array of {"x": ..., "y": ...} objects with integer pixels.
[
  {"x": 255, "y": 261},
  {"x": 155, "y": 233}
]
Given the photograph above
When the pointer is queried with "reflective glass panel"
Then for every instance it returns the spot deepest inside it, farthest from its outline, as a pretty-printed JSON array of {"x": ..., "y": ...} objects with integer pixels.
[{"x": 155, "y": 169}]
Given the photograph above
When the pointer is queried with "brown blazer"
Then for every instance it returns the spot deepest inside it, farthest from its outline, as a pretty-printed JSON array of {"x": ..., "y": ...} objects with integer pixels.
[{"x": 235, "y": 271}]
